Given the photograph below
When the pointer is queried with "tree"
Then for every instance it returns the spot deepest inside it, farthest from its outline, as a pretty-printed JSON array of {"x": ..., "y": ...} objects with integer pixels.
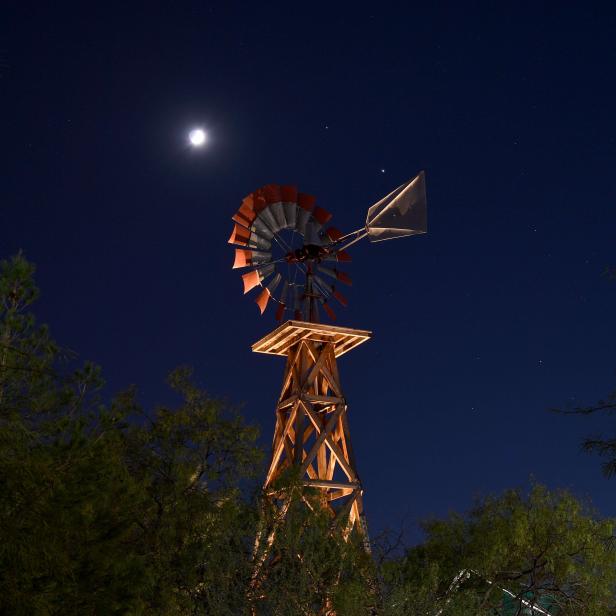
[
  {"x": 312, "y": 566},
  {"x": 112, "y": 509},
  {"x": 545, "y": 548},
  {"x": 605, "y": 447}
]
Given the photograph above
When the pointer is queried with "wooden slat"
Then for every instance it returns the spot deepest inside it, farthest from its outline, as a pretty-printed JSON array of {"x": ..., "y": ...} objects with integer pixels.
[
  {"x": 330, "y": 485},
  {"x": 280, "y": 445},
  {"x": 332, "y": 400},
  {"x": 286, "y": 335},
  {"x": 332, "y": 496}
]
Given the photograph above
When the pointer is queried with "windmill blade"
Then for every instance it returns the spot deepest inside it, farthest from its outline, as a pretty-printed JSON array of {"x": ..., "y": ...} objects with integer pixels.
[
  {"x": 339, "y": 255},
  {"x": 262, "y": 300},
  {"x": 247, "y": 211},
  {"x": 245, "y": 237},
  {"x": 335, "y": 273},
  {"x": 273, "y": 284},
  {"x": 240, "y": 219},
  {"x": 321, "y": 216},
  {"x": 341, "y": 298},
  {"x": 303, "y": 217},
  {"x": 266, "y": 216},
  {"x": 328, "y": 309},
  {"x": 331, "y": 290},
  {"x": 273, "y": 197},
  {"x": 311, "y": 234},
  {"x": 247, "y": 258},
  {"x": 306, "y": 205},
  {"x": 289, "y": 202},
  {"x": 401, "y": 213},
  {"x": 333, "y": 234},
  {"x": 267, "y": 293},
  {"x": 256, "y": 277},
  {"x": 324, "y": 288}
]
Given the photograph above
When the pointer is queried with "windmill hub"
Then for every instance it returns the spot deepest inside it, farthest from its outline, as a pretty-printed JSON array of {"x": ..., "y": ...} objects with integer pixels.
[{"x": 308, "y": 252}]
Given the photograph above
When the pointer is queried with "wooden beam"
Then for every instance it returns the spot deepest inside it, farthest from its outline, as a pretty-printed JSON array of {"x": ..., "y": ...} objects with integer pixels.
[
  {"x": 280, "y": 445},
  {"x": 346, "y": 467},
  {"x": 320, "y": 439},
  {"x": 330, "y": 485}
]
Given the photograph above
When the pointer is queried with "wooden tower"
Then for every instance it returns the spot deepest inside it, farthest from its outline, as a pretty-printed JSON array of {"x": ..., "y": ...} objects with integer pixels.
[{"x": 312, "y": 428}]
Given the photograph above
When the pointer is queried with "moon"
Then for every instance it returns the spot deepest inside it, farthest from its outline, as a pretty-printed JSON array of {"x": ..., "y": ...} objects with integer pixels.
[{"x": 197, "y": 137}]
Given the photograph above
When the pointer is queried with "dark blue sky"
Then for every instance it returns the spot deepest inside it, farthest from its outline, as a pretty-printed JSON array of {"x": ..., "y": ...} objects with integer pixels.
[{"x": 497, "y": 314}]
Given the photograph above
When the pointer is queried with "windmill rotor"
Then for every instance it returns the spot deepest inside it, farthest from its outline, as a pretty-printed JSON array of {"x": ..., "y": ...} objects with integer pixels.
[{"x": 284, "y": 241}]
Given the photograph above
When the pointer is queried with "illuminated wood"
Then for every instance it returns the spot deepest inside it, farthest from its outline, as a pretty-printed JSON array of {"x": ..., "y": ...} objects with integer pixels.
[
  {"x": 312, "y": 430},
  {"x": 287, "y": 336}
]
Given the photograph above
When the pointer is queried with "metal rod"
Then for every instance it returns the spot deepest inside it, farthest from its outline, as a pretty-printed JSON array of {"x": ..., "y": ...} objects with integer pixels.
[
  {"x": 344, "y": 237},
  {"x": 359, "y": 237}
]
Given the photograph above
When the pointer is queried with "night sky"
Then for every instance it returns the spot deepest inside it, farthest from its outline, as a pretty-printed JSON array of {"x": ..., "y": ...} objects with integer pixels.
[{"x": 497, "y": 314}]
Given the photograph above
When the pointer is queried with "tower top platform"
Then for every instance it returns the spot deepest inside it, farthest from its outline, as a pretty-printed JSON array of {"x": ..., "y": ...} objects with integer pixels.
[{"x": 290, "y": 333}]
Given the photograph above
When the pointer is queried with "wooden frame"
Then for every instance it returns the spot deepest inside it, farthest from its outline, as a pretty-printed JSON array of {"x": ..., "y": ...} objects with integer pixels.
[
  {"x": 285, "y": 337},
  {"x": 311, "y": 429}
]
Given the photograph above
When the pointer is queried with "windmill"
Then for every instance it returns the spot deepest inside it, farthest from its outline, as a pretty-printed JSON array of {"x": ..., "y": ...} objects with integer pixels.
[{"x": 293, "y": 258}]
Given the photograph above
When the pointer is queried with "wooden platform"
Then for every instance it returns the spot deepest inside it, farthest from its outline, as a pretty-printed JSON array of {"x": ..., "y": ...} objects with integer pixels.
[{"x": 290, "y": 333}]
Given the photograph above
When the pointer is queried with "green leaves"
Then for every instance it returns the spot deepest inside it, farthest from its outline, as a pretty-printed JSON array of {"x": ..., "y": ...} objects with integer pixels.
[
  {"x": 540, "y": 547},
  {"x": 112, "y": 509}
]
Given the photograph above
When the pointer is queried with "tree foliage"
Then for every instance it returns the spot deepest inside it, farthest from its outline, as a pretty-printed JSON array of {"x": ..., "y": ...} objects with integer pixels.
[
  {"x": 110, "y": 509},
  {"x": 545, "y": 548}
]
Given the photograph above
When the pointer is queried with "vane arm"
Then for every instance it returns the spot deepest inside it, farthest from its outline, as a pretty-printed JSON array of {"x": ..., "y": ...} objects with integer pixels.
[{"x": 350, "y": 238}]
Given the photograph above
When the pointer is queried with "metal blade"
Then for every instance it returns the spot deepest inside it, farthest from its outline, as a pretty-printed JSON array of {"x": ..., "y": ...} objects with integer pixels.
[
  {"x": 339, "y": 255},
  {"x": 311, "y": 235},
  {"x": 246, "y": 258},
  {"x": 271, "y": 286},
  {"x": 267, "y": 216},
  {"x": 322, "y": 216},
  {"x": 288, "y": 194},
  {"x": 330, "y": 313},
  {"x": 333, "y": 234},
  {"x": 335, "y": 273},
  {"x": 263, "y": 299},
  {"x": 239, "y": 235},
  {"x": 257, "y": 276},
  {"x": 240, "y": 219},
  {"x": 344, "y": 278},
  {"x": 306, "y": 202},
  {"x": 272, "y": 194},
  {"x": 260, "y": 227},
  {"x": 341, "y": 298},
  {"x": 290, "y": 214},
  {"x": 303, "y": 216},
  {"x": 251, "y": 280}
]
